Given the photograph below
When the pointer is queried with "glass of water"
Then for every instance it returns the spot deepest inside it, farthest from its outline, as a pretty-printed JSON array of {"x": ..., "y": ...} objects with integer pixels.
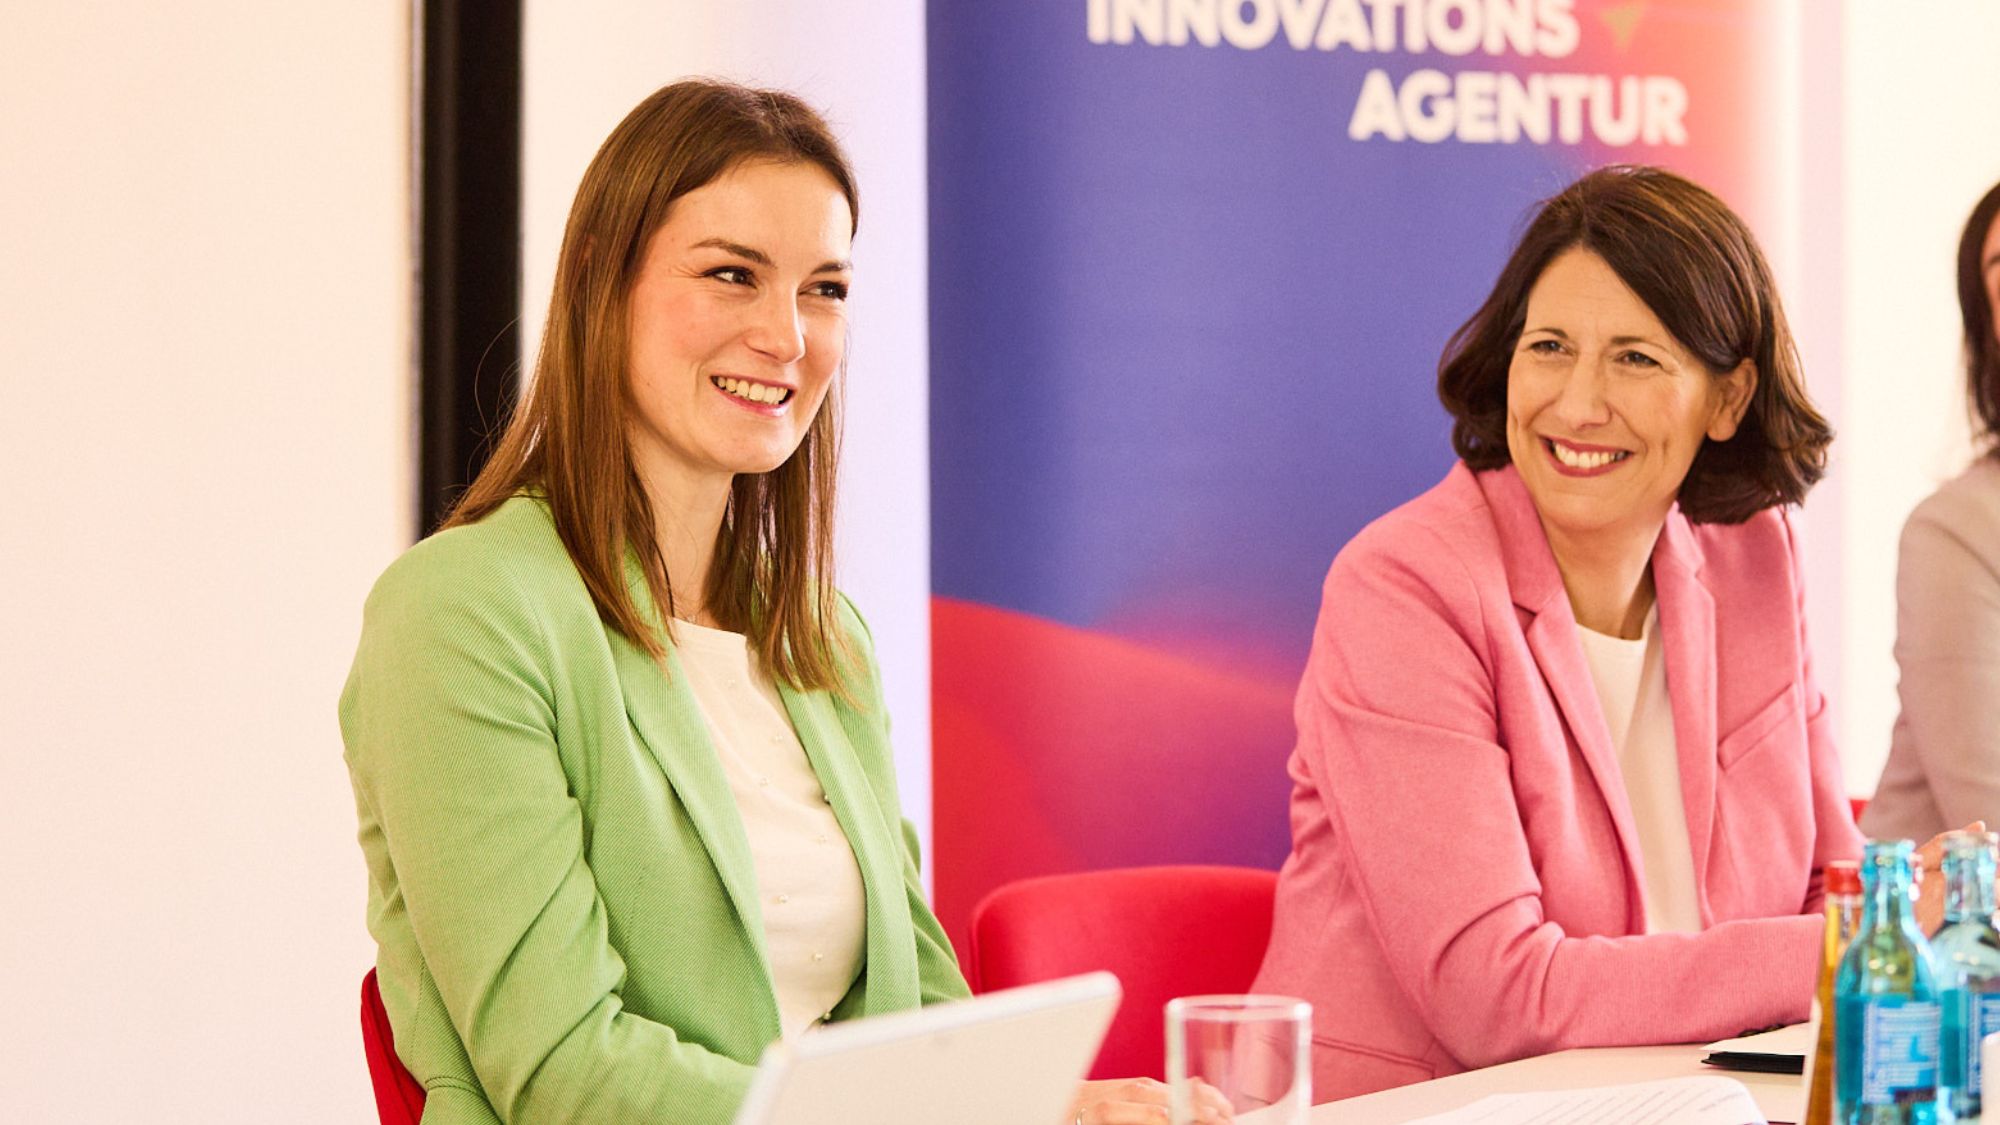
[{"x": 1255, "y": 1050}]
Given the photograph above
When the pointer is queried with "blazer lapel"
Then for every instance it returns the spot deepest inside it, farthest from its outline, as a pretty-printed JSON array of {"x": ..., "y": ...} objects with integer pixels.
[
  {"x": 663, "y": 710},
  {"x": 891, "y": 971},
  {"x": 1537, "y": 589},
  {"x": 1687, "y": 642}
]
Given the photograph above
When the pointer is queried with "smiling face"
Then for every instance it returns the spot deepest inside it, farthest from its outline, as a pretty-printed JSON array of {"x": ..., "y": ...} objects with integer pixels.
[
  {"x": 1605, "y": 409},
  {"x": 738, "y": 322}
]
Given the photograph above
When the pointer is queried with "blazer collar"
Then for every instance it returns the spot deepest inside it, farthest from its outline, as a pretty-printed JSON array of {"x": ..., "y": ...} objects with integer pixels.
[
  {"x": 1687, "y": 640},
  {"x": 1532, "y": 575},
  {"x": 663, "y": 710},
  {"x": 890, "y": 974}
]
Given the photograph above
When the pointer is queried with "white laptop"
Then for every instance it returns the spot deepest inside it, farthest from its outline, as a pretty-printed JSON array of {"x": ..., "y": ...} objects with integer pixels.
[{"x": 1005, "y": 1058}]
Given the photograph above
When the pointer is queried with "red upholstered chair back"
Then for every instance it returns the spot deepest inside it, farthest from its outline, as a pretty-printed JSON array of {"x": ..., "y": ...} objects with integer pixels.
[
  {"x": 1165, "y": 931},
  {"x": 1859, "y": 805},
  {"x": 398, "y": 1098}
]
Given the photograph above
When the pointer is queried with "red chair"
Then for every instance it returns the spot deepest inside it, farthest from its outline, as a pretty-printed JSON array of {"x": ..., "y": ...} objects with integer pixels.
[
  {"x": 1165, "y": 931},
  {"x": 399, "y": 1100},
  {"x": 1858, "y": 804}
]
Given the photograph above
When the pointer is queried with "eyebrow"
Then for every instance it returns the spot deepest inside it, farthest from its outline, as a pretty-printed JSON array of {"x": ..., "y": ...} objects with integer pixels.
[
  {"x": 1615, "y": 340},
  {"x": 751, "y": 253}
]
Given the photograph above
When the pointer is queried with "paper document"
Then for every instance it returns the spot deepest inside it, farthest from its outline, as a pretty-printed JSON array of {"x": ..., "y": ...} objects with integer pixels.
[
  {"x": 1671, "y": 1101},
  {"x": 1782, "y": 1051},
  {"x": 1794, "y": 1039}
]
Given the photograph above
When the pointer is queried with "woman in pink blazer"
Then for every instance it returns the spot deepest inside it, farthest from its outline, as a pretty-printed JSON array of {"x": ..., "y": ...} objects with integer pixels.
[{"x": 1564, "y": 777}]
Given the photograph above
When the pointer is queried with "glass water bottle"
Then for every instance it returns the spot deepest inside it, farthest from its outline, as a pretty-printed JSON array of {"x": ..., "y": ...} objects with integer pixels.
[
  {"x": 1967, "y": 951},
  {"x": 1887, "y": 1016}
]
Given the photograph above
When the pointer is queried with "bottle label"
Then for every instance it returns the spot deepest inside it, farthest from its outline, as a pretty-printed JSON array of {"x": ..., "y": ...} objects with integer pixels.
[
  {"x": 1899, "y": 1053},
  {"x": 1984, "y": 1022}
]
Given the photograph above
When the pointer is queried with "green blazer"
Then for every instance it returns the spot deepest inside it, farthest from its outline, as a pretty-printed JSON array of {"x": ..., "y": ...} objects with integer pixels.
[{"x": 558, "y": 879}]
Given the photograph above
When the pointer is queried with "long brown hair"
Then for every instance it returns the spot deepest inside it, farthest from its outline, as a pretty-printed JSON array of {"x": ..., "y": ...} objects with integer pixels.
[
  {"x": 1982, "y": 350},
  {"x": 1697, "y": 267},
  {"x": 567, "y": 441}
]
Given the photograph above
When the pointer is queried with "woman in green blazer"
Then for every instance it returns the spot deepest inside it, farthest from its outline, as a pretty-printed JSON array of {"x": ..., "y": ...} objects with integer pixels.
[
  {"x": 571, "y": 814},
  {"x": 562, "y": 888},
  {"x": 569, "y": 925}
]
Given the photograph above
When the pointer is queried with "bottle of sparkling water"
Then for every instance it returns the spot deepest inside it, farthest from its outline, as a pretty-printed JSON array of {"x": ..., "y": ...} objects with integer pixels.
[
  {"x": 1886, "y": 1003},
  {"x": 1968, "y": 960}
]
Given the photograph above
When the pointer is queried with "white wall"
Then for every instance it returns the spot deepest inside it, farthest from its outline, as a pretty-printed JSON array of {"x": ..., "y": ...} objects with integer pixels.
[
  {"x": 1808, "y": 260},
  {"x": 589, "y": 61},
  {"x": 205, "y": 428},
  {"x": 1804, "y": 46},
  {"x": 1921, "y": 96}
]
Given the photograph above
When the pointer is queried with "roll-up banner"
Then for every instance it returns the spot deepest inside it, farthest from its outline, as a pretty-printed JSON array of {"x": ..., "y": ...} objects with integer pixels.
[{"x": 1192, "y": 265}]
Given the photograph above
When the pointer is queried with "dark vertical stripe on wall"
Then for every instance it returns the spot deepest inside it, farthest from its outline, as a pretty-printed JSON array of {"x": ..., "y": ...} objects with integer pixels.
[{"x": 469, "y": 286}]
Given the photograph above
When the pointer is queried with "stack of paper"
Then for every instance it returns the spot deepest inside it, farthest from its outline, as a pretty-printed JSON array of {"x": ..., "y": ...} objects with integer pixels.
[{"x": 1670, "y": 1101}]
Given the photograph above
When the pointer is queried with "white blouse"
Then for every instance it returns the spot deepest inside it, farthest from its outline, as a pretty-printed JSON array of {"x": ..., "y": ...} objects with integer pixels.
[
  {"x": 808, "y": 882},
  {"x": 1631, "y": 682}
]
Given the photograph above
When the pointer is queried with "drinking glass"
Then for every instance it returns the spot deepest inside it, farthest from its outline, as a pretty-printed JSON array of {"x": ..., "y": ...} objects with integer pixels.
[{"x": 1255, "y": 1050}]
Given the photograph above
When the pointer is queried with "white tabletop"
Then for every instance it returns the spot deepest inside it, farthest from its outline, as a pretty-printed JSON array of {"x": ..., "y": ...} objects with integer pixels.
[{"x": 1781, "y": 1096}]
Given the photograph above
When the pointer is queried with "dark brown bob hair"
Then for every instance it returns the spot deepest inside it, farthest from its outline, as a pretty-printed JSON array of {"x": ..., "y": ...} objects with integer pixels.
[
  {"x": 1696, "y": 266},
  {"x": 568, "y": 441},
  {"x": 1982, "y": 350}
]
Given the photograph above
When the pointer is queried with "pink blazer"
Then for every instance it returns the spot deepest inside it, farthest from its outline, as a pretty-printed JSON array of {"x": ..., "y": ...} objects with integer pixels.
[{"x": 1463, "y": 887}]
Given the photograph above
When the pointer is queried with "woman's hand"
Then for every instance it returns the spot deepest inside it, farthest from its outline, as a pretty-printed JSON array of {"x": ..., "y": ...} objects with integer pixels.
[
  {"x": 1141, "y": 1101},
  {"x": 1930, "y": 879}
]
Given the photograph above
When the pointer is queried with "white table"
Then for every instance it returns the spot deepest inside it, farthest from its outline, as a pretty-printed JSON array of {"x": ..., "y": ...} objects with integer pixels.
[{"x": 1782, "y": 1097}]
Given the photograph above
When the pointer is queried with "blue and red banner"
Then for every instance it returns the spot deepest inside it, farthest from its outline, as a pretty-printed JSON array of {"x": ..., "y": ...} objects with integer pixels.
[{"x": 1192, "y": 264}]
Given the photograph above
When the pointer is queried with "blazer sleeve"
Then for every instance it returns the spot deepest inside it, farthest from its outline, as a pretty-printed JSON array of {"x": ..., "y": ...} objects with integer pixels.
[
  {"x": 1398, "y": 720},
  {"x": 1948, "y": 658},
  {"x": 938, "y": 975},
  {"x": 450, "y": 721}
]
